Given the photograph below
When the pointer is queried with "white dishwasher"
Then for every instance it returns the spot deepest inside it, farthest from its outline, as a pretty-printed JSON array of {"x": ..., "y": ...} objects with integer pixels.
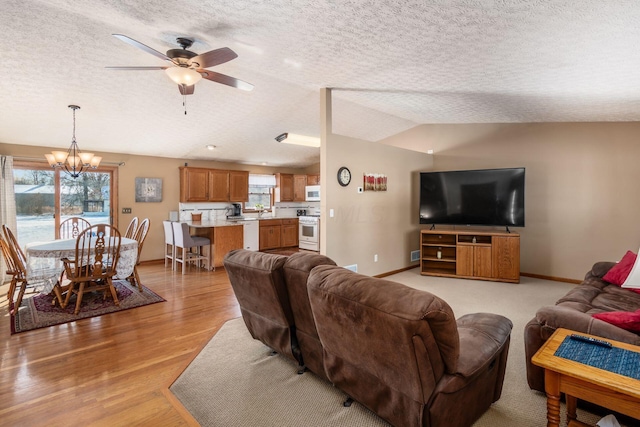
[{"x": 251, "y": 235}]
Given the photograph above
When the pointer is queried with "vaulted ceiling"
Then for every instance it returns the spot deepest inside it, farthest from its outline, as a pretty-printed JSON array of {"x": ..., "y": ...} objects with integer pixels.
[{"x": 393, "y": 64}]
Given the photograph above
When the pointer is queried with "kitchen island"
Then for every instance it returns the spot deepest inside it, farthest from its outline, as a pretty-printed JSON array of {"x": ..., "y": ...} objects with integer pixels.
[{"x": 224, "y": 236}]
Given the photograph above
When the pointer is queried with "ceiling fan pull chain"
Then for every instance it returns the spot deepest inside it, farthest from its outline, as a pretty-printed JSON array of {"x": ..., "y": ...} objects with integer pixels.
[{"x": 184, "y": 100}]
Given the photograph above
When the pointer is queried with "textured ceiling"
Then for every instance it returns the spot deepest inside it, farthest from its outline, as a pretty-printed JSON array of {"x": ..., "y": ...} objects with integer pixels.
[{"x": 394, "y": 64}]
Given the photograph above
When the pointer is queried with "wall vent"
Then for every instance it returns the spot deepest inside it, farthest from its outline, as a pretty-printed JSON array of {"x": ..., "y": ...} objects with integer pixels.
[
  {"x": 352, "y": 267},
  {"x": 415, "y": 256}
]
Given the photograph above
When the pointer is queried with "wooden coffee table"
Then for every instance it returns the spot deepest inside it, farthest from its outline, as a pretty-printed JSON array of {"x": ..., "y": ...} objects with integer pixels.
[{"x": 579, "y": 381}]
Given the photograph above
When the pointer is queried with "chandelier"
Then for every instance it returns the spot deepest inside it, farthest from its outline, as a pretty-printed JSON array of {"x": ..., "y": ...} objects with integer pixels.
[{"x": 73, "y": 161}]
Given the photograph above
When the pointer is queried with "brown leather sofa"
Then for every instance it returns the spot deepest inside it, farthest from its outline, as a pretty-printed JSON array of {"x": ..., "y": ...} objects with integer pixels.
[
  {"x": 574, "y": 310},
  {"x": 398, "y": 351},
  {"x": 402, "y": 354},
  {"x": 257, "y": 280},
  {"x": 272, "y": 293},
  {"x": 296, "y": 272}
]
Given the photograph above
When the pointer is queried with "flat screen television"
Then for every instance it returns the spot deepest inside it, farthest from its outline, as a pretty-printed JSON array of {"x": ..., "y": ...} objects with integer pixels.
[{"x": 473, "y": 197}]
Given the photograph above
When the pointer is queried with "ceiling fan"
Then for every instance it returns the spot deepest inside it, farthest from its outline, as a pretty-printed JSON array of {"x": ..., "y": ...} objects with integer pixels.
[{"x": 187, "y": 67}]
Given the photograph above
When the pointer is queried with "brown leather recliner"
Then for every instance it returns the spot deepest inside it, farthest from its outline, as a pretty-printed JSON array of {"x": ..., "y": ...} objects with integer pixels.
[
  {"x": 296, "y": 272},
  {"x": 402, "y": 354},
  {"x": 257, "y": 280}
]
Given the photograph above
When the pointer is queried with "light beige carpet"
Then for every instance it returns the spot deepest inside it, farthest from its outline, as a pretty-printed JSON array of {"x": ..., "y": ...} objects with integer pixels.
[{"x": 235, "y": 382}]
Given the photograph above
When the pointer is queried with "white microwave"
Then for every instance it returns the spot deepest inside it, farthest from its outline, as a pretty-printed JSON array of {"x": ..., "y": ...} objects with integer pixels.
[{"x": 312, "y": 193}]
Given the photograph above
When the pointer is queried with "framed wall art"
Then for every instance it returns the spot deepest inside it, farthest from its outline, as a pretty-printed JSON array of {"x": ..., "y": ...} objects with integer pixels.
[
  {"x": 375, "y": 182},
  {"x": 148, "y": 190}
]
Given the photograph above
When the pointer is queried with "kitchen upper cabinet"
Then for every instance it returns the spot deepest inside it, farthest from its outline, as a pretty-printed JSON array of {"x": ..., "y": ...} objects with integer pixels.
[
  {"x": 313, "y": 179},
  {"x": 284, "y": 187},
  {"x": 213, "y": 185},
  {"x": 218, "y": 186},
  {"x": 194, "y": 185},
  {"x": 238, "y": 186},
  {"x": 299, "y": 182}
]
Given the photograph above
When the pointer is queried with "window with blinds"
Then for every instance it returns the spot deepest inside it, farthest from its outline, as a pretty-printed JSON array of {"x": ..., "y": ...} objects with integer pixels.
[{"x": 260, "y": 191}]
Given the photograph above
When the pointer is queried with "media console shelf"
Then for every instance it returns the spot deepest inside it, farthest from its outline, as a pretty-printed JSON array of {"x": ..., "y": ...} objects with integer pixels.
[{"x": 470, "y": 254}]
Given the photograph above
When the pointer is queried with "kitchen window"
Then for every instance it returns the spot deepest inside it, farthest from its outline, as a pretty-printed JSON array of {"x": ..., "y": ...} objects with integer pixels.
[{"x": 260, "y": 191}]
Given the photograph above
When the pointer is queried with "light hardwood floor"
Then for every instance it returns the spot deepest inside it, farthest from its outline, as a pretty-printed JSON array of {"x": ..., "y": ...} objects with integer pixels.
[{"x": 114, "y": 370}]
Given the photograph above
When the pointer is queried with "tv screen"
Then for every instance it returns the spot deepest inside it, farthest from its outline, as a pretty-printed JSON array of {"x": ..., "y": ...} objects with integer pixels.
[{"x": 473, "y": 197}]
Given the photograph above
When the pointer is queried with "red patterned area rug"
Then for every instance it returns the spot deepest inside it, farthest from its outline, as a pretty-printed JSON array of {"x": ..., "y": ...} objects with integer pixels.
[{"x": 37, "y": 311}]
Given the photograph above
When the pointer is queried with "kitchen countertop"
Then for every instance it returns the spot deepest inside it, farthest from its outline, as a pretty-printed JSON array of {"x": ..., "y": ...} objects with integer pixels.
[
  {"x": 228, "y": 223},
  {"x": 210, "y": 224}
]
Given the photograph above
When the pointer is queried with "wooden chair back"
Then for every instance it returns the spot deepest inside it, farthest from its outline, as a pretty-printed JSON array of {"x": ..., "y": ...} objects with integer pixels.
[
  {"x": 141, "y": 235},
  {"x": 97, "y": 254},
  {"x": 132, "y": 228},
  {"x": 71, "y": 228},
  {"x": 16, "y": 265},
  {"x": 96, "y": 259},
  {"x": 9, "y": 260},
  {"x": 20, "y": 258}
]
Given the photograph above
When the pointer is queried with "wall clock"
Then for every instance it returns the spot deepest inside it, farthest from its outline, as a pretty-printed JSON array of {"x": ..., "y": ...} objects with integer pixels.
[{"x": 344, "y": 176}]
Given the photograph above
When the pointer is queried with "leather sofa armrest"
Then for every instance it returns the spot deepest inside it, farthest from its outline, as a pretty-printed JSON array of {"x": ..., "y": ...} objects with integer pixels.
[
  {"x": 482, "y": 337},
  {"x": 557, "y": 316},
  {"x": 601, "y": 268}
]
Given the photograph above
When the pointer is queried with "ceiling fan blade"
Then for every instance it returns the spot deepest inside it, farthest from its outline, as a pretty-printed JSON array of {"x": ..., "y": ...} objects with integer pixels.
[
  {"x": 225, "y": 80},
  {"x": 186, "y": 90},
  {"x": 144, "y": 47},
  {"x": 137, "y": 68},
  {"x": 215, "y": 57}
]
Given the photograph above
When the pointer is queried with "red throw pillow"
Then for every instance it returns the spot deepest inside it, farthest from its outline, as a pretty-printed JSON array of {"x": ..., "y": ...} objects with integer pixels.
[
  {"x": 628, "y": 320},
  {"x": 619, "y": 272}
]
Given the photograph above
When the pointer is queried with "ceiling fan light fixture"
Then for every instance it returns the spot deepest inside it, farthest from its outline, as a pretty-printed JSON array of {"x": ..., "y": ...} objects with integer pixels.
[
  {"x": 292, "y": 138},
  {"x": 183, "y": 75}
]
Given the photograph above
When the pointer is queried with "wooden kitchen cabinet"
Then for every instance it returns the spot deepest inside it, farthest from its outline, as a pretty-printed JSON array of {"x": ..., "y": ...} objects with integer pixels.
[
  {"x": 270, "y": 233},
  {"x": 222, "y": 240},
  {"x": 278, "y": 233},
  {"x": 218, "y": 186},
  {"x": 313, "y": 179},
  {"x": 213, "y": 185},
  {"x": 289, "y": 233},
  {"x": 238, "y": 186},
  {"x": 299, "y": 182},
  {"x": 194, "y": 185},
  {"x": 284, "y": 187}
]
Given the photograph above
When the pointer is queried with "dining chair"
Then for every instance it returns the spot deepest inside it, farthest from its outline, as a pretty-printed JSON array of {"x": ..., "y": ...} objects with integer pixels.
[
  {"x": 140, "y": 237},
  {"x": 169, "y": 248},
  {"x": 185, "y": 242},
  {"x": 132, "y": 228},
  {"x": 96, "y": 258},
  {"x": 11, "y": 239},
  {"x": 70, "y": 228},
  {"x": 15, "y": 270}
]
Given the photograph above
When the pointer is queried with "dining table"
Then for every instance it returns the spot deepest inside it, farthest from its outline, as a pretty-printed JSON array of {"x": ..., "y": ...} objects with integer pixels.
[{"x": 44, "y": 261}]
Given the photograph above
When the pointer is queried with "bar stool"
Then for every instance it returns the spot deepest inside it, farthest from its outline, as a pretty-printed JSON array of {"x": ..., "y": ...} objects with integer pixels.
[
  {"x": 184, "y": 241},
  {"x": 169, "y": 248}
]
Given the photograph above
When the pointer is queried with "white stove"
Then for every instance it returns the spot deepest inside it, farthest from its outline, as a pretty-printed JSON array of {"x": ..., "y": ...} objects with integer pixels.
[{"x": 309, "y": 232}]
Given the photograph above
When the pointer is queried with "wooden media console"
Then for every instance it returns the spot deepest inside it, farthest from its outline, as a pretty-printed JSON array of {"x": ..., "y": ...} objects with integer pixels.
[{"x": 470, "y": 254}]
